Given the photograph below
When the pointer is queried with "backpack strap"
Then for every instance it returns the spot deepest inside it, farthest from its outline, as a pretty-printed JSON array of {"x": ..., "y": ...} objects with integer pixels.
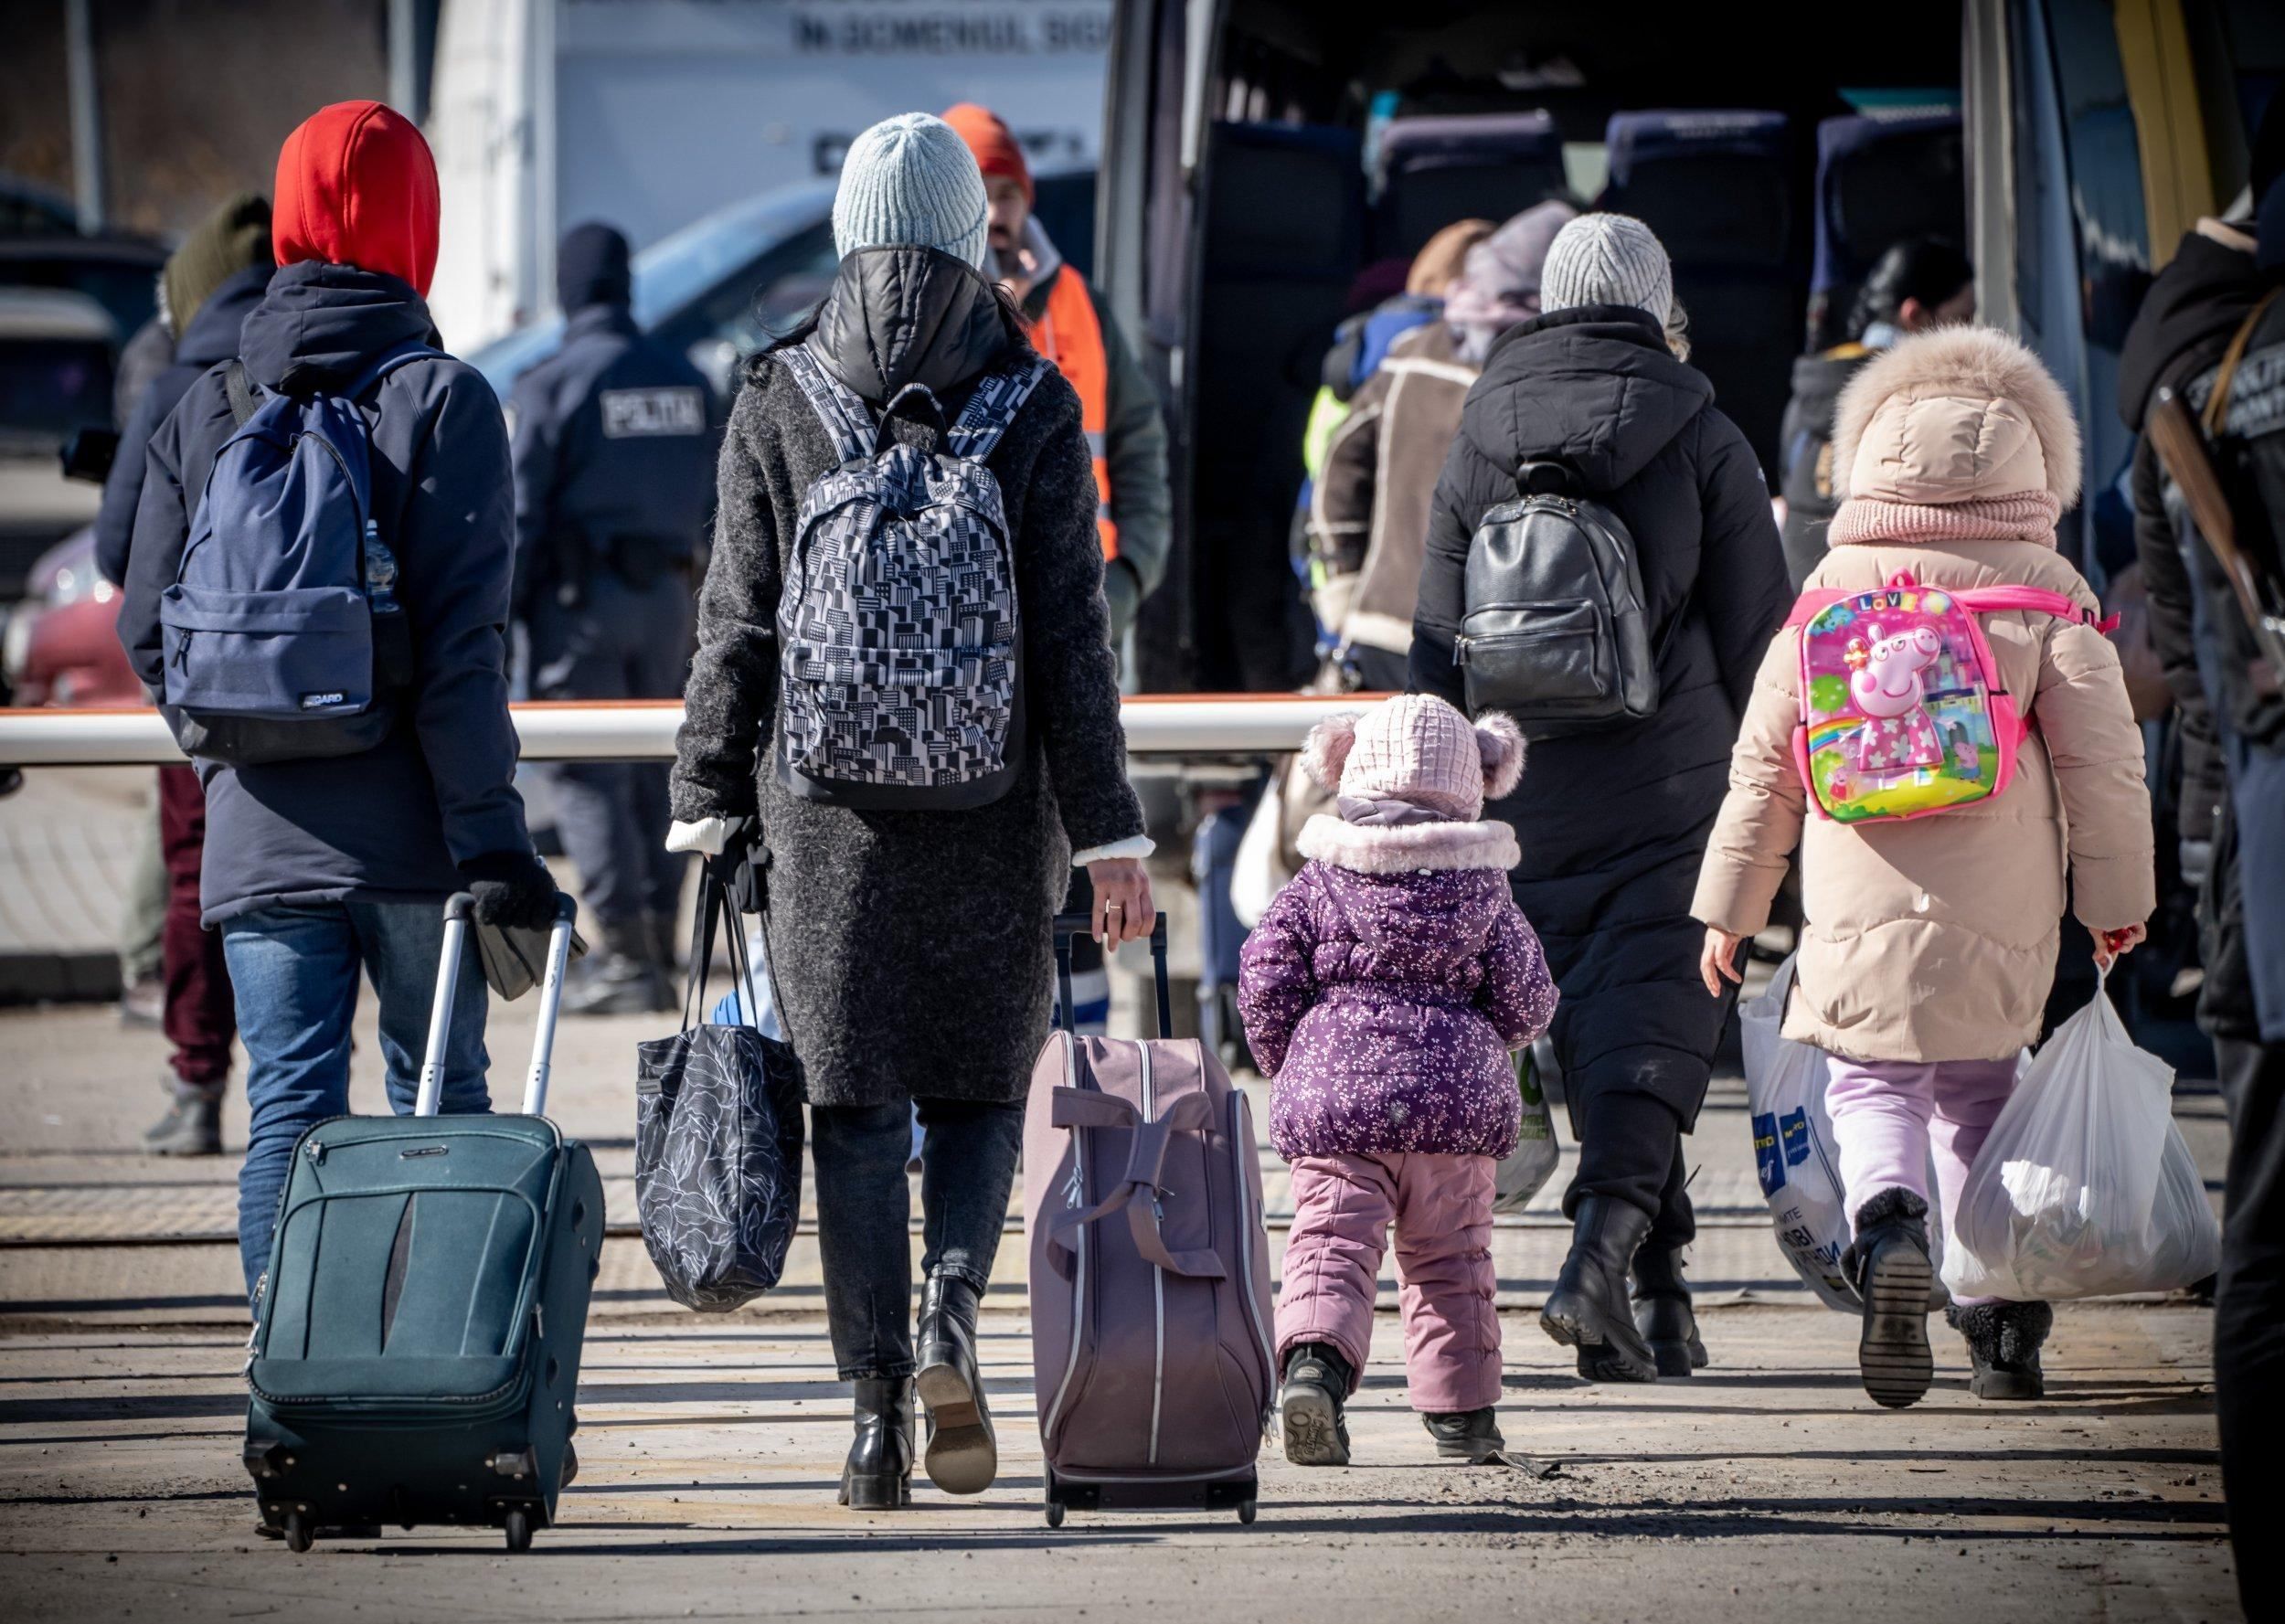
[
  {"x": 2217, "y": 411},
  {"x": 992, "y": 404},
  {"x": 1985, "y": 600},
  {"x": 1812, "y": 604},
  {"x": 387, "y": 362},
  {"x": 844, "y": 417},
  {"x": 241, "y": 390}
]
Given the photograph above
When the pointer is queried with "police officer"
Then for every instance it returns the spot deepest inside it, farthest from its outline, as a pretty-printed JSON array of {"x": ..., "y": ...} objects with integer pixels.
[{"x": 613, "y": 440}]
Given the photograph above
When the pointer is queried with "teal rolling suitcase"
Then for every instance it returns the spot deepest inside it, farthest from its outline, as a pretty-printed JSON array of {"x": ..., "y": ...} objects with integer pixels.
[{"x": 416, "y": 1344}]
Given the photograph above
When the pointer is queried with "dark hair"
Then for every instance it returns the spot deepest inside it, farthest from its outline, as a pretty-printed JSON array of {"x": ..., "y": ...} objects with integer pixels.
[{"x": 1927, "y": 269}]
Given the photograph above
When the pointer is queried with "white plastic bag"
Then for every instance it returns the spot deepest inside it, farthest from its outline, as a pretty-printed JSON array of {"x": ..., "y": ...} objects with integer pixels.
[
  {"x": 2084, "y": 1187},
  {"x": 1259, "y": 872},
  {"x": 1525, "y": 1171},
  {"x": 1792, "y": 1145}
]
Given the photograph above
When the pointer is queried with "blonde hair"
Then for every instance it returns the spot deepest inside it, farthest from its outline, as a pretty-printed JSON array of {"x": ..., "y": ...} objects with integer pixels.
[
  {"x": 1678, "y": 331},
  {"x": 1442, "y": 256}
]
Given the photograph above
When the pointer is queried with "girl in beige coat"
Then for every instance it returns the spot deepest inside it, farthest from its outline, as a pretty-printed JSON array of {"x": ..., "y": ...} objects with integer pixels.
[{"x": 1930, "y": 944}]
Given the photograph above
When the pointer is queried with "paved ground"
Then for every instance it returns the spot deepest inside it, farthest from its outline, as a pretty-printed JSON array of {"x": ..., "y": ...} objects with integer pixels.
[{"x": 1766, "y": 1487}]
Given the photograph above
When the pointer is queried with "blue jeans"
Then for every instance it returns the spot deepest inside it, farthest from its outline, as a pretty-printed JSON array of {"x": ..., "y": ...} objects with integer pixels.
[{"x": 295, "y": 970}]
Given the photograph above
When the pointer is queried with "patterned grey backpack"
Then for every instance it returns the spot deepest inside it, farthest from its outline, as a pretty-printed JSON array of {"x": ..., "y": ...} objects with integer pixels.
[{"x": 900, "y": 647}]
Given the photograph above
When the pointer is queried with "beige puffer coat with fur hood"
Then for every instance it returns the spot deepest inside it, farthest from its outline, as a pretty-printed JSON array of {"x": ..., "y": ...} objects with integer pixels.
[{"x": 1936, "y": 939}]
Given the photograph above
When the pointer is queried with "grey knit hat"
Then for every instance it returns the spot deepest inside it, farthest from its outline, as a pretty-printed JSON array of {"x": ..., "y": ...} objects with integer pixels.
[
  {"x": 1608, "y": 259},
  {"x": 911, "y": 180}
]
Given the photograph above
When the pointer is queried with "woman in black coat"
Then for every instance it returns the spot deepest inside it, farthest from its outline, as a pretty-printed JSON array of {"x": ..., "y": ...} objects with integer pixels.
[
  {"x": 1612, "y": 824},
  {"x": 911, "y": 948}
]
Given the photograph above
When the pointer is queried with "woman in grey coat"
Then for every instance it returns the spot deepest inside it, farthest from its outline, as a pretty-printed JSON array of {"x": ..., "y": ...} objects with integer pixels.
[{"x": 912, "y": 949}]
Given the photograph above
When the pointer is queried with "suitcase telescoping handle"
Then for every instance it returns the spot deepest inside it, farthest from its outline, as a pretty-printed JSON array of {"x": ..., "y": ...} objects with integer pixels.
[
  {"x": 1070, "y": 925},
  {"x": 460, "y": 912}
]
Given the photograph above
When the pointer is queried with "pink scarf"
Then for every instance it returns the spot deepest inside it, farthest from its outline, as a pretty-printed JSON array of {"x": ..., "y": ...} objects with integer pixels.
[{"x": 2028, "y": 515}]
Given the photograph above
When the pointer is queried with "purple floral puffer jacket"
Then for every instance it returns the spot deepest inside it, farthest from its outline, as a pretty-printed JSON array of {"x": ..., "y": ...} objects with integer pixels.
[{"x": 1385, "y": 986}]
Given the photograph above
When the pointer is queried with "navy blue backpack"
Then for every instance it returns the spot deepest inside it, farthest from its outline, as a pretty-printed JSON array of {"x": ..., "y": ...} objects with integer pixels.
[{"x": 283, "y": 638}]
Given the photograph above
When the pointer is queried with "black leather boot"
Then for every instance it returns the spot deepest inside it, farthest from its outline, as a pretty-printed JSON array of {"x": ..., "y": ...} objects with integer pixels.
[
  {"x": 2003, "y": 1340},
  {"x": 1473, "y": 1436},
  {"x": 879, "y": 1474},
  {"x": 1588, "y": 1310},
  {"x": 1888, "y": 1264},
  {"x": 1662, "y": 1312},
  {"x": 1317, "y": 1382},
  {"x": 962, "y": 1455}
]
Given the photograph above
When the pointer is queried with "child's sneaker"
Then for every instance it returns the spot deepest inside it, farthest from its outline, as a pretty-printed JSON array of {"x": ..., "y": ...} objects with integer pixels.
[
  {"x": 1473, "y": 1436},
  {"x": 1888, "y": 1263},
  {"x": 1316, "y": 1381}
]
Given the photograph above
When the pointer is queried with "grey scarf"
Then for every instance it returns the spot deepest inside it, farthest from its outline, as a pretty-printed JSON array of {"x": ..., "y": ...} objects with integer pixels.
[{"x": 1378, "y": 812}]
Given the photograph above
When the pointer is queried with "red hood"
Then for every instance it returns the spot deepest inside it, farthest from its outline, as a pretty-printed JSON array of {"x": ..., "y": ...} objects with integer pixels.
[{"x": 357, "y": 185}]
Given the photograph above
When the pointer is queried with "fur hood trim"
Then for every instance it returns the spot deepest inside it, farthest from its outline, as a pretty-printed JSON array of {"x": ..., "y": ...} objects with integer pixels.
[
  {"x": 1408, "y": 847},
  {"x": 1942, "y": 407}
]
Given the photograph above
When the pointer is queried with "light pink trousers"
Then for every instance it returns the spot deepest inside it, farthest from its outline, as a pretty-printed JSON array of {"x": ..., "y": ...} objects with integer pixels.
[
  {"x": 1890, "y": 1115},
  {"x": 1442, "y": 1207}
]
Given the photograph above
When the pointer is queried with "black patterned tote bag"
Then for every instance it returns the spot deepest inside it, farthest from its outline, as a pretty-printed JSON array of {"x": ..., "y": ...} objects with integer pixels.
[{"x": 718, "y": 1139}]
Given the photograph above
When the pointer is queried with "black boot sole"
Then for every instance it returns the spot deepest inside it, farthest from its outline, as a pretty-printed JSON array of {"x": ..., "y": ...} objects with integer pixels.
[
  {"x": 1310, "y": 1422},
  {"x": 962, "y": 1456},
  {"x": 1605, "y": 1352},
  {"x": 868, "y": 1492},
  {"x": 1893, "y": 1354},
  {"x": 2007, "y": 1386}
]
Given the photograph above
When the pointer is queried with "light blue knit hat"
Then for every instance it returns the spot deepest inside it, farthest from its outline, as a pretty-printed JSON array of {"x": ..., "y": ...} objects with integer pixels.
[{"x": 911, "y": 181}]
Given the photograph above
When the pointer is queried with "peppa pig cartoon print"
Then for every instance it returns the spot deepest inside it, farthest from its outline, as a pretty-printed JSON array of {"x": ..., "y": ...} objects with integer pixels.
[{"x": 1885, "y": 673}]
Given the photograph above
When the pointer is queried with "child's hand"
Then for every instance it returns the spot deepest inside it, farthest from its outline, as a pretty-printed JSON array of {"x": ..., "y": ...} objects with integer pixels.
[
  {"x": 1717, "y": 962},
  {"x": 2110, "y": 946}
]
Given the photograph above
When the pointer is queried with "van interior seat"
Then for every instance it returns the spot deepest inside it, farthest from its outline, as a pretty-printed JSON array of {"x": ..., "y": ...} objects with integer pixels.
[
  {"x": 1716, "y": 187},
  {"x": 1881, "y": 179},
  {"x": 1285, "y": 237},
  {"x": 1432, "y": 170}
]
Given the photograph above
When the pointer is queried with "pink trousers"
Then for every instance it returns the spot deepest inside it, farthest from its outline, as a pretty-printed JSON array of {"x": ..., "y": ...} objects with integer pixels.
[
  {"x": 1888, "y": 1116},
  {"x": 1442, "y": 1207}
]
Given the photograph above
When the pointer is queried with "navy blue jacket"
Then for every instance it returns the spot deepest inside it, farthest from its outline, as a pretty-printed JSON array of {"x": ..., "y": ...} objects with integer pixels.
[
  {"x": 613, "y": 436},
  {"x": 211, "y": 336},
  {"x": 403, "y": 820}
]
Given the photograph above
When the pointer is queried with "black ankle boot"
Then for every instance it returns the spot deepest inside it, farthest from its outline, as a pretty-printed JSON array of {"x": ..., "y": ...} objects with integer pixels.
[
  {"x": 2003, "y": 1340},
  {"x": 1587, "y": 1310},
  {"x": 1888, "y": 1265},
  {"x": 962, "y": 1455},
  {"x": 1662, "y": 1312},
  {"x": 878, "y": 1475},
  {"x": 1473, "y": 1436},
  {"x": 1317, "y": 1381}
]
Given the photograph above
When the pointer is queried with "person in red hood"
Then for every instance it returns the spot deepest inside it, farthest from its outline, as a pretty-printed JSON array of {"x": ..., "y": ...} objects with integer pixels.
[{"x": 317, "y": 869}]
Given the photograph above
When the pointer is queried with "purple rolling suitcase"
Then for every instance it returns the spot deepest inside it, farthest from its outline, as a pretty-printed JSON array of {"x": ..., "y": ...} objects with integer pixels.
[{"x": 1150, "y": 1269}]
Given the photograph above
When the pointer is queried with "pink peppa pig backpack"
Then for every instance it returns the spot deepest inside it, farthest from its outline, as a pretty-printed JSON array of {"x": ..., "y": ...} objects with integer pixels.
[{"x": 1903, "y": 713}]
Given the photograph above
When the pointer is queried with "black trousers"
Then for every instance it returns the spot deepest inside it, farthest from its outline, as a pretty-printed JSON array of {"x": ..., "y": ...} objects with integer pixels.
[
  {"x": 1631, "y": 1147},
  {"x": 865, "y": 1205},
  {"x": 2249, "y": 1320}
]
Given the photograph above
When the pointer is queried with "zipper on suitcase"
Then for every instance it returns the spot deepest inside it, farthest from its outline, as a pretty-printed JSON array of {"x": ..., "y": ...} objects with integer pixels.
[{"x": 1158, "y": 1274}]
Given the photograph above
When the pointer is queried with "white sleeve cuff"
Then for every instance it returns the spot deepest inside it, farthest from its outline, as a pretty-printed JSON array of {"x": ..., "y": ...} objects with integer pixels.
[
  {"x": 708, "y": 835},
  {"x": 1134, "y": 846}
]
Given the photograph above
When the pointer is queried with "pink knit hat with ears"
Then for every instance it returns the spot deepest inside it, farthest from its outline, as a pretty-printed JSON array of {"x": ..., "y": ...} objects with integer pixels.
[{"x": 1418, "y": 750}]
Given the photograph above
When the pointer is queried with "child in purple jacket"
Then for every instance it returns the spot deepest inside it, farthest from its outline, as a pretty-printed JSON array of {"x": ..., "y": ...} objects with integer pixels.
[{"x": 1383, "y": 991}]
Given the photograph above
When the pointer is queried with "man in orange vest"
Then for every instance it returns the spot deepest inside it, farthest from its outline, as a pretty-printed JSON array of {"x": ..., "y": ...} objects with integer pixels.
[{"x": 1119, "y": 406}]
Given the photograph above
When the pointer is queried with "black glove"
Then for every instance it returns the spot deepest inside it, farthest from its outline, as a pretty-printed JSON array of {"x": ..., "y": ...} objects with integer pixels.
[
  {"x": 513, "y": 889},
  {"x": 743, "y": 868}
]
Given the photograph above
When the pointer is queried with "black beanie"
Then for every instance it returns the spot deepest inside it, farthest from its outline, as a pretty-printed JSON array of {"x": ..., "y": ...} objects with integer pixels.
[{"x": 591, "y": 268}]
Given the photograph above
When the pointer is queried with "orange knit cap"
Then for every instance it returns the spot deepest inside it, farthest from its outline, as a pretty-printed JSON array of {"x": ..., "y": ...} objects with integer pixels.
[{"x": 997, "y": 152}]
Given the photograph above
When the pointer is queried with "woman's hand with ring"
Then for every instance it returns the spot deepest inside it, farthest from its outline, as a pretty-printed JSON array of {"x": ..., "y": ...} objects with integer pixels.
[{"x": 1123, "y": 910}]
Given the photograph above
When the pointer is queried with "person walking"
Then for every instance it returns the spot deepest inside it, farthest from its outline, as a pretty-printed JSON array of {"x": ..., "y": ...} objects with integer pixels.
[
  {"x": 1930, "y": 944},
  {"x": 1369, "y": 506},
  {"x": 1382, "y": 992},
  {"x": 920, "y": 966},
  {"x": 208, "y": 286},
  {"x": 613, "y": 441},
  {"x": 317, "y": 868},
  {"x": 1611, "y": 824},
  {"x": 1919, "y": 283}
]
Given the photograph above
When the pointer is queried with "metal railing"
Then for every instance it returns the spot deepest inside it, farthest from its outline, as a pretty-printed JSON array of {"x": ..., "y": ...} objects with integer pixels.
[{"x": 1166, "y": 725}]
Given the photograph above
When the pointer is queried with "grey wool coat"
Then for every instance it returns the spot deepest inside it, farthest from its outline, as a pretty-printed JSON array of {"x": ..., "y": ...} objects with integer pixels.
[{"x": 913, "y": 950}]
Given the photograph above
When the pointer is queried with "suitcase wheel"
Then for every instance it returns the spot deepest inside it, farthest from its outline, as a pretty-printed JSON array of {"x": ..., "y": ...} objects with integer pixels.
[
  {"x": 1055, "y": 1514},
  {"x": 298, "y": 1534},
  {"x": 1246, "y": 1511},
  {"x": 517, "y": 1525}
]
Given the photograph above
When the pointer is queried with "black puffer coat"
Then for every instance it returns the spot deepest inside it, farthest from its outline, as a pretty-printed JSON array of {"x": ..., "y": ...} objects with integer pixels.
[
  {"x": 912, "y": 949},
  {"x": 1612, "y": 824}
]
